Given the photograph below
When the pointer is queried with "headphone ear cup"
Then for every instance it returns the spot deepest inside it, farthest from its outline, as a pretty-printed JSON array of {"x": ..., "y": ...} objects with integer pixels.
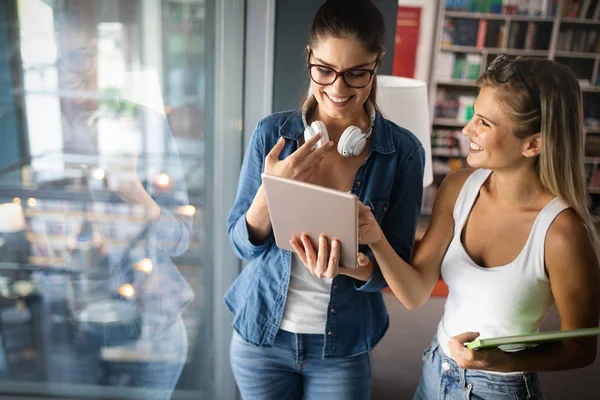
[
  {"x": 352, "y": 142},
  {"x": 313, "y": 129},
  {"x": 308, "y": 133}
]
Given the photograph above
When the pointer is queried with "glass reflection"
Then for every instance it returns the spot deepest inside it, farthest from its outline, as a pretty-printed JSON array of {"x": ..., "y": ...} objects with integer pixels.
[{"x": 100, "y": 185}]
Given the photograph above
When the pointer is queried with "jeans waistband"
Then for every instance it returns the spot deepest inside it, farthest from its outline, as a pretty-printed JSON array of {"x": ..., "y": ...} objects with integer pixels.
[{"x": 528, "y": 381}]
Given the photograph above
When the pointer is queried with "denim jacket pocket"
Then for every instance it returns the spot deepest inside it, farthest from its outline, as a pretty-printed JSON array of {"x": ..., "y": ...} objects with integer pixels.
[{"x": 379, "y": 206}]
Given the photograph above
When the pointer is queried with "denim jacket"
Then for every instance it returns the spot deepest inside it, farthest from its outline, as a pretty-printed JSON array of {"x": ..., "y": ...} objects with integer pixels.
[{"x": 390, "y": 180}]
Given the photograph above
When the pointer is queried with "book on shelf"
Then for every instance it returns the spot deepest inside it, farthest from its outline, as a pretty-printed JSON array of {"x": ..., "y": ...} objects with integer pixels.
[
  {"x": 584, "y": 9},
  {"x": 523, "y": 7},
  {"x": 507, "y": 7},
  {"x": 592, "y": 43},
  {"x": 448, "y": 32},
  {"x": 533, "y": 338},
  {"x": 495, "y": 7},
  {"x": 449, "y": 143},
  {"x": 465, "y": 32},
  {"x": 480, "y": 43},
  {"x": 530, "y": 36},
  {"x": 458, "y": 72},
  {"x": 406, "y": 42},
  {"x": 537, "y": 8},
  {"x": 458, "y": 66},
  {"x": 570, "y": 8},
  {"x": 444, "y": 66},
  {"x": 517, "y": 35},
  {"x": 473, "y": 66},
  {"x": 596, "y": 14},
  {"x": 583, "y": 40},
  {"x": 594, "y": 181},
  {"x": 494, "y": 33}
]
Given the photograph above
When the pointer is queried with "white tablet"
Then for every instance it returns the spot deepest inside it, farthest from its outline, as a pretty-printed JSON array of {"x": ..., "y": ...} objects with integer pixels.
[{"x": 298, "y": 207}]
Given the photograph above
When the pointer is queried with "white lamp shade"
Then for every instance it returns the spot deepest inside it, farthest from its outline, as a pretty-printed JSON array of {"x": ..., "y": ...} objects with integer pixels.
[{"x": 404, "y": 102}]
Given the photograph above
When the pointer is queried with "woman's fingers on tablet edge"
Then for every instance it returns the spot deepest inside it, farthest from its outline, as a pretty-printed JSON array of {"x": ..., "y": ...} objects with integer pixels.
[
  {"x": 299, "y": 249},
  {"x": 334, "y": 260},
  {"x": 322, "y": 257},
  {"x": 311, "y": 258}
]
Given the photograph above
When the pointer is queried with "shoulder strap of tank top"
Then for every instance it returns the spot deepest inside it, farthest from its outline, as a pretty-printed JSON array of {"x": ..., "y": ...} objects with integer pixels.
[
  {"x": 535, "y": 246},
  {"x": 466, "y": 197}
]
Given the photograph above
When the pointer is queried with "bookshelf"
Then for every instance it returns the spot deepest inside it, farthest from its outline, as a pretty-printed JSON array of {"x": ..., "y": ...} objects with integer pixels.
[{"x": 471, "y": 33}]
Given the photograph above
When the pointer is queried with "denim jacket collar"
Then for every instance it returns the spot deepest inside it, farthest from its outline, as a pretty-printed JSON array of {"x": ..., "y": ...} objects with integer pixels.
[{"x": 293, "y": 128}]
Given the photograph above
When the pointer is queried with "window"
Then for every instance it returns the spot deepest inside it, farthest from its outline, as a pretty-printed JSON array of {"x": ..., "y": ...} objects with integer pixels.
[{"x": 113, "y": 254}]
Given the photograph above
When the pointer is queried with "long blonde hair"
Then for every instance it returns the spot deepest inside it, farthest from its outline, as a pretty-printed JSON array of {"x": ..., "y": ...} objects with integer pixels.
[{"x": 544, "y": 96}]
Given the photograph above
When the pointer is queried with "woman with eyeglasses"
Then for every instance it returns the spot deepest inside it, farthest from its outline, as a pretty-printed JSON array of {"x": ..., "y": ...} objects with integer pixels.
[
  {"x": 510, "y": 237},
  {"x": 303, "y": 324}
]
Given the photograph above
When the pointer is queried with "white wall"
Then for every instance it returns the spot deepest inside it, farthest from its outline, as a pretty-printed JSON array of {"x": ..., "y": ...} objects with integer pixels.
[{"x": 426, "y": 34}]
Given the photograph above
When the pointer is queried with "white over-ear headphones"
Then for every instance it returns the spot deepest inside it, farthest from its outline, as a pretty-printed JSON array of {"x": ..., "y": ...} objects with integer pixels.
[{"x": 353, "y": 140}]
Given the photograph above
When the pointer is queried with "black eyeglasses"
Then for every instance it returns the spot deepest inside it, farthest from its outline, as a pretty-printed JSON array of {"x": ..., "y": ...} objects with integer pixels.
[
  {"x": 503, "y": 69},
  {"x": 356, "y": 78}
]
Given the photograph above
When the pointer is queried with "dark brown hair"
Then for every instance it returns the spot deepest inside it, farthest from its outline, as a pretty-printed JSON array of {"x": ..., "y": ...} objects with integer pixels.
[{"x": 360, "y": 19}]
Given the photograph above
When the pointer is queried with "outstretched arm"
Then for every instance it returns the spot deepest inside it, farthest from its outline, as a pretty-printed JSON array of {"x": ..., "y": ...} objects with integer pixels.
[
  {"x": 165, "y": 197},
  {"x": 413, "y": 282}
]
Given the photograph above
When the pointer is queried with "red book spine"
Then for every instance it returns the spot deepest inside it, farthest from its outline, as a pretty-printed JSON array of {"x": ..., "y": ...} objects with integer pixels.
[
  {"x": 407, "y": 41},
  {"x": 481, "y": 33}
]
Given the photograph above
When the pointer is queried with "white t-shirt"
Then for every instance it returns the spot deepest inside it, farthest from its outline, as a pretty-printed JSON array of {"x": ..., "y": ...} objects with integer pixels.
[{"x": 307, "y": 301}]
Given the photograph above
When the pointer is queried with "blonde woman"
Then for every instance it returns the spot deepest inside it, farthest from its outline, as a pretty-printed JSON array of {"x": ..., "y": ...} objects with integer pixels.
[{"x": 510, "y": 237}]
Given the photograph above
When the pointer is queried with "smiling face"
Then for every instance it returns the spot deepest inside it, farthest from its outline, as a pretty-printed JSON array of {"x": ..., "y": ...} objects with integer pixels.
[
  {"x": 338, "y": 101},
  {"x": 77, "y": 60},
  {"x": 492, "y": 143}
]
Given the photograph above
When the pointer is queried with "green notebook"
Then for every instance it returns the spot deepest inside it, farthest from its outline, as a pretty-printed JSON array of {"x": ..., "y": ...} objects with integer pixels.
[{"x": 538, "y": 337}]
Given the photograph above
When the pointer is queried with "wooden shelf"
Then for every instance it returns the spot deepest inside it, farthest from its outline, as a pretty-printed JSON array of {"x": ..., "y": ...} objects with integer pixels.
[
  {"x": 440, "y": 155},
  {"x": 474, "y": 15},
  {"x": 581, "y": 21},
  {"x": 495, "y": 50},
  {"x": 448, "y": 122},
  {"x": 91, "y": 215},
  {"x": 461, "y": 49},
  {"x": 529, "y": 18},
  {"x": 42, "y": 238},
  {"x": 46, "y": 261},
  {"x": 576, "y": 54},
  {"x": 590, "y": 89},
  {"x": 461, "y": 82},
  {"x": 497, "y": 17},
  {"x": 591, "y": 129}
]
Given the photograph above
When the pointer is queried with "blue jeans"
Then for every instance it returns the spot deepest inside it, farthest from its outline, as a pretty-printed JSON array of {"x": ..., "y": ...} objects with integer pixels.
[
  {"x": 293, "y": 368},
  {"x": 442, "y": 379},
  {"x": 154, "y": 379},
  {"x": 161, "y": 377}
]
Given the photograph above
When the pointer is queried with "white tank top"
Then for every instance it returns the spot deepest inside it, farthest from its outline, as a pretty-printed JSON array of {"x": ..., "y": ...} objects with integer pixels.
[
  {"x": 506, "y": 300},
  {"x": 307, "y": 301}
]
